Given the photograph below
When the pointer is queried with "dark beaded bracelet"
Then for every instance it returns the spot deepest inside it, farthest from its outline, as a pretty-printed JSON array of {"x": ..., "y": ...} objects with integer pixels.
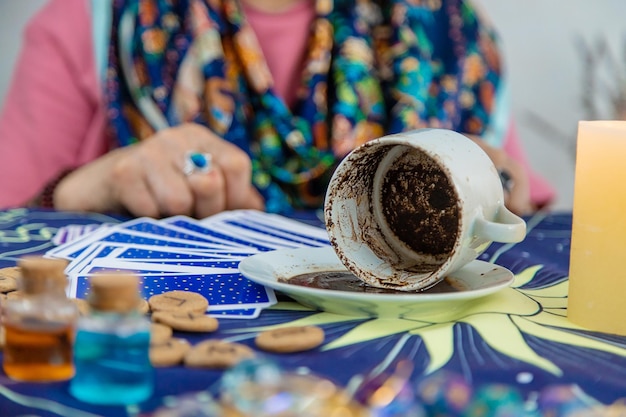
[{"x": 45, "y": 199}]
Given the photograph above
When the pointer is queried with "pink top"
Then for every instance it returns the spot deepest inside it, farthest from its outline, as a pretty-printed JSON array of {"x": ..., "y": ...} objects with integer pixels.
[
  {"x": 53, "y": 117},
  {"x": 46, "y": 127},
  {"x": 279, "y": 34}
]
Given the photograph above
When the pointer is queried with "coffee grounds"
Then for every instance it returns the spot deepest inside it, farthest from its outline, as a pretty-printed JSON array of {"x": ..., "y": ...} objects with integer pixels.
[{"x": 420, "y": 204}]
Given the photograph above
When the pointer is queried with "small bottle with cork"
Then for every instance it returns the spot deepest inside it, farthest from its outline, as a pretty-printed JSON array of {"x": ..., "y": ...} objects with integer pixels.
[
  {"x": 39, "y": 324},
  {"x": 111, "y": 353}
]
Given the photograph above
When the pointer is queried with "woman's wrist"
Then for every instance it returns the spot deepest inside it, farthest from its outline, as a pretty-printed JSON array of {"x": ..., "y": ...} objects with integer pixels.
[{"x": 45, "y": 199}]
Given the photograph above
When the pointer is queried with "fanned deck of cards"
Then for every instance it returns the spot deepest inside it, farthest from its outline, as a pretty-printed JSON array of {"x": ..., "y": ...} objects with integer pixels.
[{"x": 182, "y": 253}]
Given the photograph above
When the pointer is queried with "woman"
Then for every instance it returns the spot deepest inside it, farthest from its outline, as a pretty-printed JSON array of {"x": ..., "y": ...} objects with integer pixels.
[{"x": 158, "y": 107}]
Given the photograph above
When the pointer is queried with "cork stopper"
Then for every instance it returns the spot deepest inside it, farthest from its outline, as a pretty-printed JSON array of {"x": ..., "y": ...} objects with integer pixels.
[
  {"x": 42, "y": 275},
  {"x": 117, "y": 293}
]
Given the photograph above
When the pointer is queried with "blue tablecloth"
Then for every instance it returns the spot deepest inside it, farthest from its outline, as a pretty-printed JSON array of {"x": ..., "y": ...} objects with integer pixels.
[{"x": 518, "y": 336}]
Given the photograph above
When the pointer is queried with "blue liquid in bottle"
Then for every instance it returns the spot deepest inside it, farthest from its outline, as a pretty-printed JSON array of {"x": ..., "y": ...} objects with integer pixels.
[{"x": 111, "y": 357}]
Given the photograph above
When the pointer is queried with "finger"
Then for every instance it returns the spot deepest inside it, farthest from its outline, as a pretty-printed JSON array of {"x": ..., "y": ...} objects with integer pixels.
[
  {"x": 158, "y": 161},
  {"x": 236, "y": 170},
  {"x": 131, "y": 191},
  {"x": 518, "y": 202},
  {"x": 150, "y": 184},
  {"x": 170, "y": 188},
  {"x": 139, "y": 201},
  {"x": 209, "y": 190},
  {"x": 238, "y": 177},
  {"x": 518, "y": 197},
  {"x": 255, "y": 200},
  {"x": 233, "y": 162}
]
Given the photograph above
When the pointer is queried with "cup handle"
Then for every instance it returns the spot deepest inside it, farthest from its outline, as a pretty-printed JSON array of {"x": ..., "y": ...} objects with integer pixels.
[{"x": 506, "y": 227}]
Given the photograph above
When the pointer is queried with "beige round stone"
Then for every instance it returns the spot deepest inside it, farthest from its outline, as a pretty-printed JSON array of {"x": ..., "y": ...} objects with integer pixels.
[
  {"x": 186, "y": 321},
  {"x": 179, "y": 301},
  {"x": 217, "y": 354},
  {"x": 11, "y": 272},
  {"x": 290, "y": 339},
  {"x": 159, "y": 333},
  {"x": 143, "y": 307},
  {"x": 15, "y": 295},
  {"x": 170, "y": 353},
  {"x": 8, "y": 278}
]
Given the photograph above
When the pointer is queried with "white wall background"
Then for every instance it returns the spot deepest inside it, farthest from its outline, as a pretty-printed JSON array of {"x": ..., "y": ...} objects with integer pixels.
[
  {"x": 547, "y": 76},
  {"x": 546, "y": 71},
  {"x": 13, "y": 15}
]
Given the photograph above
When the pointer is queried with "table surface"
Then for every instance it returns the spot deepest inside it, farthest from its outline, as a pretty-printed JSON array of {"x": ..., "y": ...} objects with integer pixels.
[{"x": 518, "y": 336}]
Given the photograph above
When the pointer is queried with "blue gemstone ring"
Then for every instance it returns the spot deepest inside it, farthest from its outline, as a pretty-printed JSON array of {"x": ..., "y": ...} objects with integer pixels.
[{"x": 197, "y": 162}]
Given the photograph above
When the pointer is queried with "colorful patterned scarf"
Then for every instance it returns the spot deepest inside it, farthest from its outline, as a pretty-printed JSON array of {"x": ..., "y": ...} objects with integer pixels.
[{"x": 372, "y": 68}]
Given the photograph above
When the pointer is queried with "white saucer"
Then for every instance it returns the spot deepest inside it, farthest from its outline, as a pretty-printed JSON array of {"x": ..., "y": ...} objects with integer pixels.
[{"x": 273, "y": 268}]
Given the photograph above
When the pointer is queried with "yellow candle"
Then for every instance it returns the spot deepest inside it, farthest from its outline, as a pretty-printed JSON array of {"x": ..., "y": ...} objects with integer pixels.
[{"x": 597, "y": 287}]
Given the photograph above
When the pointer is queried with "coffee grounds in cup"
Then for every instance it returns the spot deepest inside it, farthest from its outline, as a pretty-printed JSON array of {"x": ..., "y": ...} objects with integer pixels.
[{"x": 420, "y": 205}]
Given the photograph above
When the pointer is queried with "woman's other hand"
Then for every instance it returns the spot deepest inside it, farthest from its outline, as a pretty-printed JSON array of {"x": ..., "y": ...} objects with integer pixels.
[
  {"x": 517, "y": 189},
  {"x": 148, "y": 179}
]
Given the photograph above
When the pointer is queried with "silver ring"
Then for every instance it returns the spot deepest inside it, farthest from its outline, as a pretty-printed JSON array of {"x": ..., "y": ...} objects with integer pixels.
[{"x": 197, "y": 162}]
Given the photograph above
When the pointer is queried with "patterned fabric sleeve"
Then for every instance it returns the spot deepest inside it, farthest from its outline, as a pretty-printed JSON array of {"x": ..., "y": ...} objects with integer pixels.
[{"x": 445, "y": 67}]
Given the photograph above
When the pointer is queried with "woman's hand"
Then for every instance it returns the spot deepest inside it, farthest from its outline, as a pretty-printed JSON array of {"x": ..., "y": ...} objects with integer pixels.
[
  {"x": 148, "y": 179},
  {"x": 517, "y": 193}
]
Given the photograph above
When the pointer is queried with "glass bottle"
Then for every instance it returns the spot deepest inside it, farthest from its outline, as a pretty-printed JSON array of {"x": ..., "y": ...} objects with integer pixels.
[
  {"x": 39, "y": 325},
  {"x": 111, "y": 353}
]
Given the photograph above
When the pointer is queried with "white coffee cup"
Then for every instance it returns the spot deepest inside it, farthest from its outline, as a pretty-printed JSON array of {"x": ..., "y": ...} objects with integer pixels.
[{"x": 405, "y": 210}]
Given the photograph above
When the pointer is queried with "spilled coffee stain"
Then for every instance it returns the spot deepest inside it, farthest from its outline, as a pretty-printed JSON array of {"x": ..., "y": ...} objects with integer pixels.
[{"x": 348, "y": 282}]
